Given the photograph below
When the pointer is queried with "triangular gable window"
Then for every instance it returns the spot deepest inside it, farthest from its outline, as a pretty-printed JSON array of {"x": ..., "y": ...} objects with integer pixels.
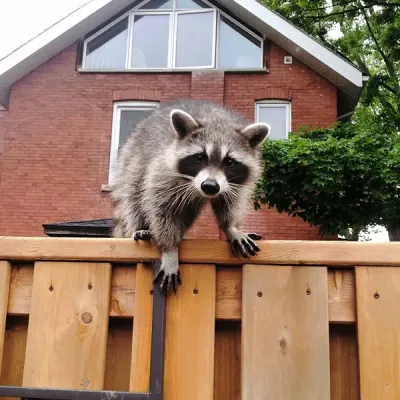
[
  {"x": 173, "y": 34},
  {"x": 158, "y": 5}
]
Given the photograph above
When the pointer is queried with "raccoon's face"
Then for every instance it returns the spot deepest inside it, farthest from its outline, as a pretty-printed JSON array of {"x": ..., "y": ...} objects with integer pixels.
[{"x": 217, "y": 162}]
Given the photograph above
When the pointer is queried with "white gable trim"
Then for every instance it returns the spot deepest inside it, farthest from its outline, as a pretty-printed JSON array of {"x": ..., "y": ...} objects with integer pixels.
[{"x": 301, "y": 39}]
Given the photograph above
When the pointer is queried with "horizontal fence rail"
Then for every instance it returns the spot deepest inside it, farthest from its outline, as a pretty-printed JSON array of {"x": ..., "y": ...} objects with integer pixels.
[{"x": 324, "y": 253}]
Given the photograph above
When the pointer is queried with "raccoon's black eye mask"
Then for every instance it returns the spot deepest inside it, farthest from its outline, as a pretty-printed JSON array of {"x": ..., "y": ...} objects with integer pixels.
[
  {"x": 193, "y": 164},
  {"x": 229, "y": 162}
]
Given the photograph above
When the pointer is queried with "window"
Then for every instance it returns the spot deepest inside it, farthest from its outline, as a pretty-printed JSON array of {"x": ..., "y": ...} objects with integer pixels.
[
  {"x": 173, "y": 34},
  {"x": 237, "y": 47},
  {"x": 278, "y": 115},
  {"x": 126, "y": 116},
  {"x": 108, "y": 50},
  {"x": 188, "y": 28}
]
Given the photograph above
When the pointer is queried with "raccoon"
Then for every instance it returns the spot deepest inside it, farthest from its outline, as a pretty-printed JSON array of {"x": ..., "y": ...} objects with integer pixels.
[{"x": 182, "y": 156}]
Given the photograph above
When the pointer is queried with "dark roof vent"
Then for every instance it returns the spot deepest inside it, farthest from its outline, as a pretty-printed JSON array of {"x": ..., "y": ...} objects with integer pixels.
[{"x": 91, "y": 228}]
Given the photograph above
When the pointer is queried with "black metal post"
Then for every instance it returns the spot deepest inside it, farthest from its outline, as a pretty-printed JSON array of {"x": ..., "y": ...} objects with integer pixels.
[{"x": 157, "y": 341}]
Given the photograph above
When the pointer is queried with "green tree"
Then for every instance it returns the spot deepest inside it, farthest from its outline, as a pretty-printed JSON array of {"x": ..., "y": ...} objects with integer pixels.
[
  {"x": 369, "y": 36},
  {"x": 341, "y": 179}
]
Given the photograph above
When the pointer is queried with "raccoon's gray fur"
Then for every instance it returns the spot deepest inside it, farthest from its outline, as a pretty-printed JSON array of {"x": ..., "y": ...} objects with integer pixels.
[{"x": 176, "y": 160}]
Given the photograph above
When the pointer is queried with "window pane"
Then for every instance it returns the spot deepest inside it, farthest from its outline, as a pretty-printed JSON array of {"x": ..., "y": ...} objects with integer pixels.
[
  {"x": 195, "y": 37},
  {"x": 190, "y": 4},
  {"x": 158, "y": 4},
  {"x": 276, "y": 117},
  {"x": 108, "y": 50},
  {"x": 237, "y": 48},
  {"x": 129, "y": 120},
  {"x": 150, "y": 41}
]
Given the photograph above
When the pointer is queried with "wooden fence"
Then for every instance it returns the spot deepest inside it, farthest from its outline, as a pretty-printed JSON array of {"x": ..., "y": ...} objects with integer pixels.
[{"x": 301, "y": 321}]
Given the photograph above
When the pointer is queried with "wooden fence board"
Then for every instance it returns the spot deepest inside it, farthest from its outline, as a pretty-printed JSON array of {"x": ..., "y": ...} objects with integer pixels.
[
  {"x": 14, "y": 352},
  {"x": 5, "y": 273},
  {"x": 345, "y": 379},
  {"x": 228, "y": 301},
  {"x": 123, "y": 286},
  {"x": 68, "y": 324},
  {"x": 190, "y": 333},
  {"x": 341, "y": 296},
  {"x": 118, "y": 362},
  {"x": 229, "y": 293},
  {"x": 282, "y": 252},
  {"x": 142, "y": 328},
  {"x": 19, "y": 302},
  {"x": 227, "y": 361},
  {"x": 285, "y": 336},
  {"x": 378, "y": 299}
]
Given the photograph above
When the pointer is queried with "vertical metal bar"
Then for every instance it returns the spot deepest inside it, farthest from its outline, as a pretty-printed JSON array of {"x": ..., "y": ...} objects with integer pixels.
[{"x": 157, "y": 342}]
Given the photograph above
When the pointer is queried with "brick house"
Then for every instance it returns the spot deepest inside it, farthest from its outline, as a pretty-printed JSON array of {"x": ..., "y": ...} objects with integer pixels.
[{"x": 69, "y": 97}]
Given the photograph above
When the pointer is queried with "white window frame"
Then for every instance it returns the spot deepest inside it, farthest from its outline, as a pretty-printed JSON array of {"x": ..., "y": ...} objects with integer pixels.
[
  {"x": 175, "y": 40},
  {"x": 120, "y": 106},
  {"x": 276, "y": 104},
  {"x": 228, "y": 17},
  {"x": 102, "y": 30},
  {"x": 173, "y": 13},
  {"x": 130, "y": 38}
]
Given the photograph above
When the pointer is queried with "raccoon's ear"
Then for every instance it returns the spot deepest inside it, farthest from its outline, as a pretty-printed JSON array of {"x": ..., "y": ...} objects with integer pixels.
[
  {"x": 256, "y": 133},
  {"x": 183, "y": 123}
]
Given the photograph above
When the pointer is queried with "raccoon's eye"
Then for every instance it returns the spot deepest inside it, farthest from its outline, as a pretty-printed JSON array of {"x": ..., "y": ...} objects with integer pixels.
[
  {"x": 230, "y": 162},
  {"x": 201, "y": 157}
]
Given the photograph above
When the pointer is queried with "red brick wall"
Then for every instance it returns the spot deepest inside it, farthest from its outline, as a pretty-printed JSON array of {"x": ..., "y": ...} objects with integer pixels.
[{"x": 57, "y": 134}]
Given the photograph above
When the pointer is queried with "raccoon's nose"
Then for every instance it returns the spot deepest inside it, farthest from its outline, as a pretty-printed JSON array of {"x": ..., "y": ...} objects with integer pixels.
[{"x": 210, "y": 187}]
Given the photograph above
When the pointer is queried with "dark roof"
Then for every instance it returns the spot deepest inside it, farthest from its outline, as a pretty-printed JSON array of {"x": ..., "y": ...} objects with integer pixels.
[{"x": 90, "y": 228}]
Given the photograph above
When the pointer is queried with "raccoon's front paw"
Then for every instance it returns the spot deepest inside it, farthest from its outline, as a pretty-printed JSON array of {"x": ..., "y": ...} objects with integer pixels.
[
  {"x": 170, "y": 278},
  {"x": 244, "y": 244},
  {"x": 142, "y": 235}
]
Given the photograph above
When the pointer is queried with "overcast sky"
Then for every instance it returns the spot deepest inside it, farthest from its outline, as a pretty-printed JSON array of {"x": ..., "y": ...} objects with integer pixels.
[{"x": 24, "y": 19}]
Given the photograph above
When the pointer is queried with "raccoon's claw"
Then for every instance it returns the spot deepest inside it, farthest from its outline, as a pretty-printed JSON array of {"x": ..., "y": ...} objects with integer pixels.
[
  {"x": 142, "y": 235},
  {"x": 168, "y": 281},
  {"x": 244, "y": 244}
]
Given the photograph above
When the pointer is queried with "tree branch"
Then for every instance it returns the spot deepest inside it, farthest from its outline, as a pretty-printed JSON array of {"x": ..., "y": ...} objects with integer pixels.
[
  {"x": 346, "y": 11},
  {"x": 386, "y": 104},
  {"x": 389, "y": 88},
  {"x": 386, "y": 60}
]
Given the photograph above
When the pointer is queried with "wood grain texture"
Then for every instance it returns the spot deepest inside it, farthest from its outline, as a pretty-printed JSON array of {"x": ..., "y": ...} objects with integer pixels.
[
  {"x": 142, "y": 328},
  {"x": 345, "y": 383},
  {"x": 283, "y": 252},
  {"x": 229, "y": 293},
  {"x": 378, "y": 299},
  {"x": 341, "y": 296},
  {"x": 123, "y": 286},
  {"x": 68, "y": 325},
  {"x": 5, "y": 273},
  {"x": 19, "y": 302},
  {"x": 227, "y": 360},
  {"x": 228, "y": 301},
  {"x": 189, "y": 346},
  {"x": 118, "y": 363},
  {"x": 285, "y": 336},
  {"x": 14, "y": 352}
]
